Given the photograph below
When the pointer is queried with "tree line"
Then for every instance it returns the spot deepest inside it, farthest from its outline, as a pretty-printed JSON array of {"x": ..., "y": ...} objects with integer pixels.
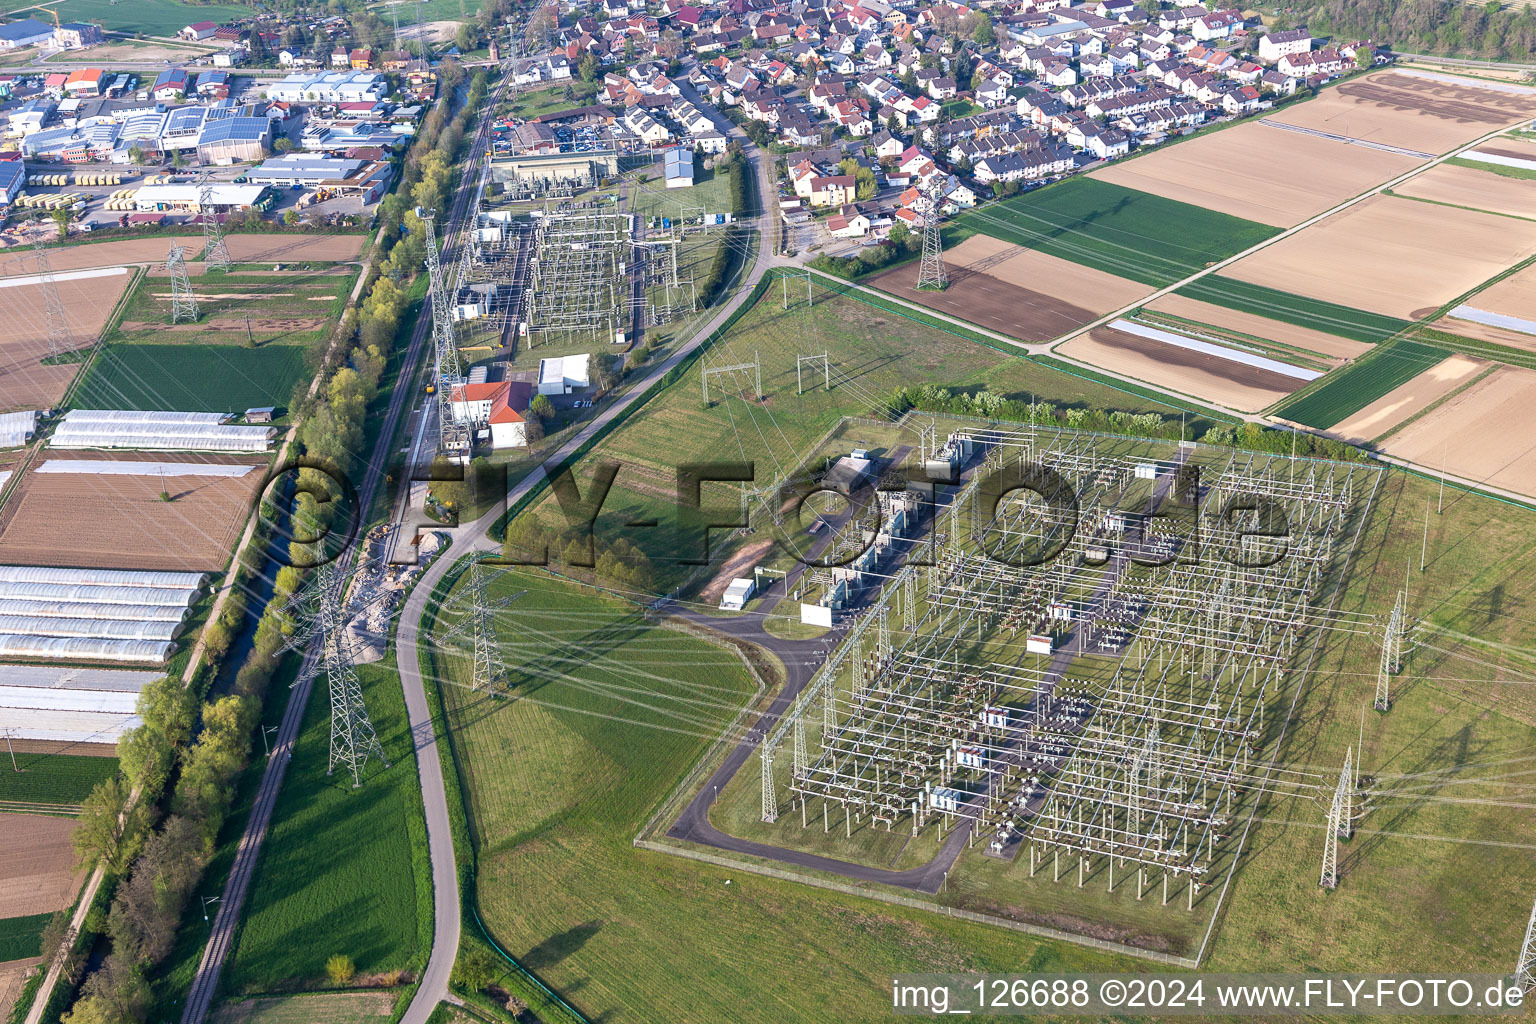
[{"x": 1489, "y": 30}]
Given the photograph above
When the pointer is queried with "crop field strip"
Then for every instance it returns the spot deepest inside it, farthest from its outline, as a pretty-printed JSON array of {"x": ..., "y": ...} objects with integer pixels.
[
  {"x": 21, "y": 938},
  {"x": 1346, "y": 392},
  {"x": 64, "y": 779},
  {"x": 1118, "y": 230},
  {"x": 191, "y": 377},
  {"x": 1315, "y": 314}
]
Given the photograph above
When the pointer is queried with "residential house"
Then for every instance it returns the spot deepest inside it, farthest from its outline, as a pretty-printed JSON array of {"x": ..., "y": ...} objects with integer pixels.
[
  {"x": 836, "y": 190},
  {"x": 1290, "y": 43}
]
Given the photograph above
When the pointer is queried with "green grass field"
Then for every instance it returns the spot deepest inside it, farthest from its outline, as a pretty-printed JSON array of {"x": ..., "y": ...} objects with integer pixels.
[
  {"x": 21, "y": 938},
  {"x": 1118, "y": 230},
  {"x": 1316, "y": 314},
  {"x": 1524, "y": 173},
  {"x": 343, "y": 870},
  {"x": 557, "y": 783},
  {"x": 191, "y": 377},
  {"x": 1358, "y": 385},
  {"x": 237, "y": 309},
  {"x": 1438, "y": 875},
  {"x": 53, "y": 778},
  {"x": 152, "y": 17}
]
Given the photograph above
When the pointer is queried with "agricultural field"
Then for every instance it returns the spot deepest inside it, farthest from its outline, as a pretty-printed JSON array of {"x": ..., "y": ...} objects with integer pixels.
[
  {"x": 53, "y": 778},
  {"x": 1346, "y": 392},
  {"x": 26, "y": 380},
  {"x": 1265, "y": 174},
  {"x": 1417, "y": 111},
  {"x": 1392, "y": 256},
  {"x": 38, "y": 875},
  {"x": 1512, "y": 296},
  {"x": 304, "y": 248},
  {"x": 324, "y": 1008},
  {"x": 1212, "y": 379},
  {"x": 1023, "y": 293},
  {"x": 342, "y": 870},
  {"x": 117, "y": 252},
  {"x": 156, "y": 520},
  {"x": 192, "y": 377},
  {"x": 1409, "y": 399},
  {"x": 1486, "y": 433},
  {"x": 13, "y": 977},
  {"x": 1312, "y": 314},
  {"x": 152, "y": 17},
  {"x": 557, "y": 785},
  {"x": 1118, "y": 230},
  {"x": 1473, "y": 188},
  {"x": 295, "y": 307},
  {"x": 1233, "y": 321},
  {"x": 21, "y": 937}
]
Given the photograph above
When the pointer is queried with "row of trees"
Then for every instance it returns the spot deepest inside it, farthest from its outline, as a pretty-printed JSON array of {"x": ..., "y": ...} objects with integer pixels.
[
  {"x": 1432, "y": 26},
  {"x": 618, "y": 562},
  {"x": 1246, "y": 436}
]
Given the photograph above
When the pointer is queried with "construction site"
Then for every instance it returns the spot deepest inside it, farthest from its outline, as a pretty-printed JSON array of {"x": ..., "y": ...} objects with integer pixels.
[{"x": 1077, "y": 661}]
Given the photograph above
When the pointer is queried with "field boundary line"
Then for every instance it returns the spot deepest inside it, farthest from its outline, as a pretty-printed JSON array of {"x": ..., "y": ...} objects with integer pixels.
[{"x": 1039, "y": 931}]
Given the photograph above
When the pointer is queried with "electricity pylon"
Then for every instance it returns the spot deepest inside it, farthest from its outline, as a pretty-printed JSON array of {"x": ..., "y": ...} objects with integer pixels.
[
  {"x": 183, "y": 302},
  {"x": 1392, "y": 651},
  {"x": 215, "y": 252},
  {"x": 931, "y": 273},
  {"x": 479, "y": 621},
  {"x": 1525, "y": 967},
  {"x": 323, "y": 613},
  {"x": 1339, "y": 826},
  {"x": 452, "y": 436},
  {"x": 58, "y": 327}
]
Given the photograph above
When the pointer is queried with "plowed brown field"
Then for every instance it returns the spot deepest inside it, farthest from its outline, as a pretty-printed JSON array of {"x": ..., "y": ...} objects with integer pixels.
[
  {"x": 1259, "y": 172},
  {"x": 37, "y": 865},
  {"x": 1209, "y": 378},
  {"x": 1015, "y": 291},
  {"x": 119, "y": 522}
]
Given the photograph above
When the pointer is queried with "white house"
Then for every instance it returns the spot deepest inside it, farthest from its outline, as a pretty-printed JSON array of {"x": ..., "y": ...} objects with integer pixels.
[
  {"x": 1284, "y": 44},
  {"x": 501, "y": 408}
]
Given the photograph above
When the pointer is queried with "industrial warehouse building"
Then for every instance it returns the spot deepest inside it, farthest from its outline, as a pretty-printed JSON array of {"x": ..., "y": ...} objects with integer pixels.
[
  {"x": 26, "y": 32},
  {"x": 564, "y": 374},
  {"x": 325, "y": 174},
  {"x": 188, "y": 198},
  {"x": 233, "y": 140},
  {"x": 158, "y": 431}
]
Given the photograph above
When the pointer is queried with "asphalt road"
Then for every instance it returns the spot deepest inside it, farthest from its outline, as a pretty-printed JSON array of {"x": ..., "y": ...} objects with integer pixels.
[{"x": 475, "y": 538}]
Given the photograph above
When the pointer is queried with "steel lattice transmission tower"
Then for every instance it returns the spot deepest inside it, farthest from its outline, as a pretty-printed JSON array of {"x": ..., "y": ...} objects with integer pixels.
[
  {"x": 1525, "y": 967},
  {"x": 321, "y": 612},
  {"x": 1339, "y": 826},
  {"x": 353, "y": 740},
  {"x": 215, "y": 252},
  {"x": 1392, "y": 651},
  {"x": 452, "y": 438},
  {"x": 59, "y": 339},
  {"x": 931, "y": 273},
  {"x": 183, "y": 302},
  {"x": 490, "y": 668}
]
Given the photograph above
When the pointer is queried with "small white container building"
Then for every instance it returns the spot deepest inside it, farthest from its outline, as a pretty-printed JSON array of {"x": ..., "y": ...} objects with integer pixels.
[{"x": 737, "y": 595}]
